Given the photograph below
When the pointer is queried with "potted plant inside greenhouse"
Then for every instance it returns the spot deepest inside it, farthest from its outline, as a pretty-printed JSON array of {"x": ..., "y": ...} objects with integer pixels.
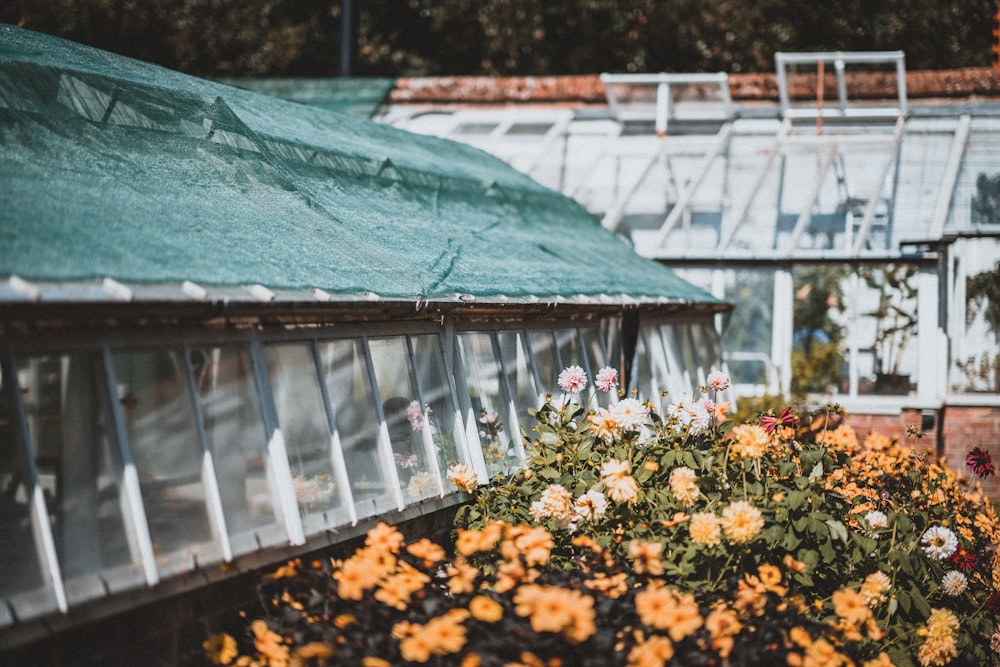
[
  {"x": 982, "y": 371},
  {"x": 895, "y": 323}
]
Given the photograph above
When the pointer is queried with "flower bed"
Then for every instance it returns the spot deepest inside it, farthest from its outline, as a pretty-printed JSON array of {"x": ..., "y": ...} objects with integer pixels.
[{"x": 662, "y": 535}]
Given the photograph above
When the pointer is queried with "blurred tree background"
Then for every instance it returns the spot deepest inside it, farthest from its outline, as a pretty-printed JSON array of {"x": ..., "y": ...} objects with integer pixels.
[{"x": 509, "y": 37}]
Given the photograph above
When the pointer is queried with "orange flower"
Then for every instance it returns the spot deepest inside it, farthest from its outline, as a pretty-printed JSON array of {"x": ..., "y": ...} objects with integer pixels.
[
  {"x": 427, "y": 551},
  {"x": 557, "y": 610},
  {"x": 220, "y": 648},
  {"x": 665, "y": 609},
  {"x": 723, "y": 624},
  {"x": 470, "y": 542},
  {"x": 461, "y": 576},
  {"x": 485, "y": 609},
  {"x": 312, "y": 651},
  {"x": 269, "y": 644},
  {"x": 371, "y": 661},
  {"x": 535, "y": 543},
  {"x": 652, "y": 652},
  {"x": 849, "y": 605},
  {"x": 646, "y": 557},
  {"x": 384, "y": 536}
]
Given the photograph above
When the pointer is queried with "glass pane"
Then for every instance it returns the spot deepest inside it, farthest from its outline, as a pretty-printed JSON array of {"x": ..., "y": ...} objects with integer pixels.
[
  {"x": 22, "y": 568},
  {"x": 599, "y": 359},
  {"x": 819, "y": 359},
  {"x": 519, "y": 377},
  {"x": 445, "y": 429},
  {"x": 306, "y": 430},
  {"x": 886, "y": 330},
  {"x": 166, "y": 448},
  {"x": 80, "y": 471},
  {"x": 976, "y": 336},
  {"x": 404, "y": 417},
  {"x": 747, "y": 331},
  {"x": 346, "y": 376},
  {"x": 483, "y": 377},
  {"x": 652, "y": 370},
  {"x": 236, "y": 436},
  {"x": 546, "y": 356}
]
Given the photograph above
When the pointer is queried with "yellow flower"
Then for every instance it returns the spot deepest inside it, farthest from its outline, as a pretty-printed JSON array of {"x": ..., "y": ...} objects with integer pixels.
[
  {"x": 684, "y": 484},
  {"x": 705, "y": 529},
  {"x": 220, "y": 648},
  {"x": 652, "y": 652},
  {"x": 741, "y": 522},
  {"x": 750, "y": 441},
  {"x": 534, "y": 543},
  {"x": 881, "y": 661},
  {"x": 875, "y": 588},
  {"x": 936, "y": 652},
  {"x": 485, "y": 609},
  {"x": 665, "y": 609}
]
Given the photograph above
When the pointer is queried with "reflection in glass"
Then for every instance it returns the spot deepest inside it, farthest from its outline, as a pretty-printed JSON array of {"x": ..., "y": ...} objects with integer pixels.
[
  {"x": 519, "y": 376},
  {"x": 80, "y": 470},
  {"x": 406, "y": 419},
  {"x": 437, "y": 392},
  {"x": 166, "y": 449},
  {"x": 489, "y": 403},
  {"x": 350, "y": 391},
  {"x": 235, "y": 435},
  {"x": 23, "y": 571},
  {"x": 303, "y": 421}
]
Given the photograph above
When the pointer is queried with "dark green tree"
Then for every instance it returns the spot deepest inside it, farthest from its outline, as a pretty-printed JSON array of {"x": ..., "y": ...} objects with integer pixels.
[{"x": 510, "y": 37}]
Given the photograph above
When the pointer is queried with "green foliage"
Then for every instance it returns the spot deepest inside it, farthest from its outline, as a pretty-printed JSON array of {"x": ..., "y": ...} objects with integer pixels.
[{"x": 832, "y": 514}]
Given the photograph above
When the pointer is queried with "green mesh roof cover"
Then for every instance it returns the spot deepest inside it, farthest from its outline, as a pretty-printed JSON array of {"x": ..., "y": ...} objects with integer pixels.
[
  {"x": 359, "y": 96},
  {"x": 114, "y": 168}
]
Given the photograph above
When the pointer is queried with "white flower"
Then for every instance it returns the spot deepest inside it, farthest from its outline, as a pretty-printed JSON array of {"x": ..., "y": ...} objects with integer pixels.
[
  {"x": 689, "y": 414},
  {"x": 954, "y": 583},
  {"x": 463, "y": 477},
  {"x": 591, "y": 506},
  {"x": 629, "y": 413},
  {"x": 876, "y": 520},
  {"x": 573, "y": 380},
  {"x": 939, "y": 542},
  {"x": 718, "y": 381}
]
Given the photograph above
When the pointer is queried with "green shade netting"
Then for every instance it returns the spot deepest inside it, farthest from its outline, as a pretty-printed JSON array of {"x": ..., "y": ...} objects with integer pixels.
[
  {"x": 358, "y": 96},
  {"x": 114, "y": 168}
]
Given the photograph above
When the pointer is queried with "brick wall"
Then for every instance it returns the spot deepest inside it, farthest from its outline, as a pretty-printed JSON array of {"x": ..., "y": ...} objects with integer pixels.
[{"x": 956, "y": 429}]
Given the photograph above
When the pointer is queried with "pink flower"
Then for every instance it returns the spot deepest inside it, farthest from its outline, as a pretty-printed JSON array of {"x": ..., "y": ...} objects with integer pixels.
[
  {"x": 573, "y": 380},
  {"x": 607, "y": 379},
  {"x": 786, "y": 418},
  {"x": 415, "y": 415},
  {"x": 718, "y": 381}
]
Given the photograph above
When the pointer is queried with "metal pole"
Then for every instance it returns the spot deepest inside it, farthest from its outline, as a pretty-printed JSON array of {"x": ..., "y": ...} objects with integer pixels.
[{"x": 345, "y": 38}]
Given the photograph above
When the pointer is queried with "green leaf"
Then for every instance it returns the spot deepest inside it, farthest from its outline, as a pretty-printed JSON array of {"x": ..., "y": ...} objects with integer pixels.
[
  {"x": 837, "y": 530},
  {"x": 904, "y": 601}
]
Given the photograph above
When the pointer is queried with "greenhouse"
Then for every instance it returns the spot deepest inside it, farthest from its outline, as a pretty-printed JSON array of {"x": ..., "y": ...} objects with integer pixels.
[
  {"x": 233, "y": 328},
  {"x": 845, "y": 219}
]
